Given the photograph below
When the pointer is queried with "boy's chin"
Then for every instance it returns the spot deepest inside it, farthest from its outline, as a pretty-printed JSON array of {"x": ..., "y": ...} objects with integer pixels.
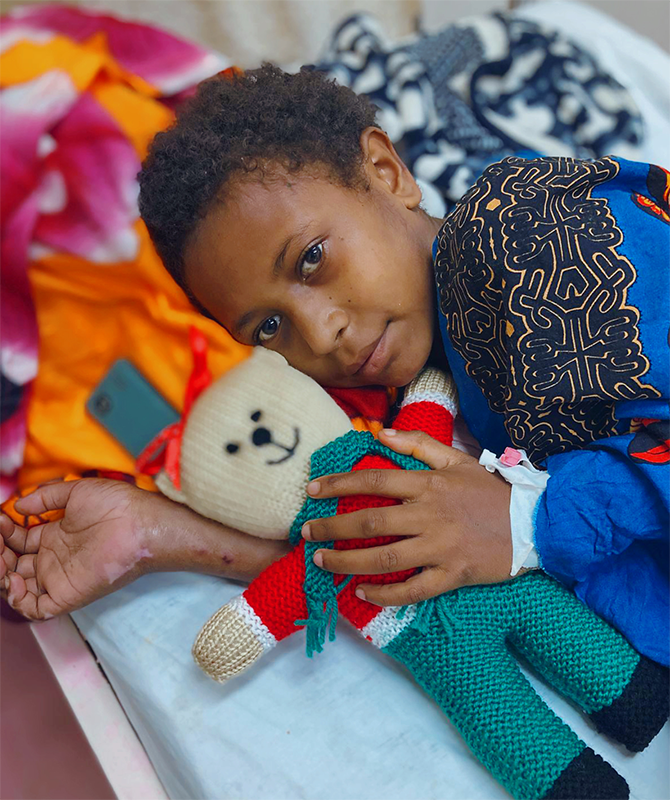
[{"x": 402, "y": 374}]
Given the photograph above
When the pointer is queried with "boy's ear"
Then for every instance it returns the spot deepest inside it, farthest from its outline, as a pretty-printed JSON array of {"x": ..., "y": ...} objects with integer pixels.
[{"x": 383, "y": 164}]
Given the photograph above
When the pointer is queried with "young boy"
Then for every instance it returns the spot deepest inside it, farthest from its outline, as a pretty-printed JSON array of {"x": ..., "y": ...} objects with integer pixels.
[{"x": 286, "y": 215}]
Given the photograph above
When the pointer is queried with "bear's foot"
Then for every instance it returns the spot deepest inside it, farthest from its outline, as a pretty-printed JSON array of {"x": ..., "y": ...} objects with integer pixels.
[
  {"x": 588, "y": 777},
  {"x": 640, "y": 711}
]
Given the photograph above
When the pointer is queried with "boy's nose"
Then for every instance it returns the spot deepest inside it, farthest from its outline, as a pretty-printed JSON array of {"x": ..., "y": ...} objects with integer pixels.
[{"x": 322, "y": 332}]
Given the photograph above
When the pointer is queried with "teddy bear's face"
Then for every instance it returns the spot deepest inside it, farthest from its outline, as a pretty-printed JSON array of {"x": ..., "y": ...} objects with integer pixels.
[
  {"x": 248, "y": 442},
  {"x": 257, "y": 435}
]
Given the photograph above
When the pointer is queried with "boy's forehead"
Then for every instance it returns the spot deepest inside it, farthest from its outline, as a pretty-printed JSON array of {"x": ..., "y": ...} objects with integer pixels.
[
  {"x": 255, "y": 218},
  {"x": 250, "y": 227},
  {"x": 272, "y": 205},
  {"x": 237, "y": 246}
]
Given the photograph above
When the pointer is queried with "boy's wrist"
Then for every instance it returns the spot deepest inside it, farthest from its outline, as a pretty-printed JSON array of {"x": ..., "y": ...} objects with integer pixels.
[
  {"x": 528, "y": 483},
  {"x": 174, "y": 539}
]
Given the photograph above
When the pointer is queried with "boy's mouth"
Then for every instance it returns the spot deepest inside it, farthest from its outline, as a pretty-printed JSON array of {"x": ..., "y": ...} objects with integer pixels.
[{"x": 374, "y": 358}]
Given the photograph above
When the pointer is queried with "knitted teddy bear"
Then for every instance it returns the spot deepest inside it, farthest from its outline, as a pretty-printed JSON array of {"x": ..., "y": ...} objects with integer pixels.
[{"x": 243, "y": 454}]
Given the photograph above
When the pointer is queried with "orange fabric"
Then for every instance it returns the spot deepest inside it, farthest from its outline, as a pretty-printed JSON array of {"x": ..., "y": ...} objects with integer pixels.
[
  {"x": 89, "y": 316},
  {"x": 82, "y": 61},
  {"x": 363, "y": 424}
]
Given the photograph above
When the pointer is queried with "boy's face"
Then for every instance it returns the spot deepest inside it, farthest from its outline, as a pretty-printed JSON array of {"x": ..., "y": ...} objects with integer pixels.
[{"x": 339, "y": 281}]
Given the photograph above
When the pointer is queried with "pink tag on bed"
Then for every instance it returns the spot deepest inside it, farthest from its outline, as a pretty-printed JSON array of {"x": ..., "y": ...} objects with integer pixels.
[{"x": 511, "y": 457}]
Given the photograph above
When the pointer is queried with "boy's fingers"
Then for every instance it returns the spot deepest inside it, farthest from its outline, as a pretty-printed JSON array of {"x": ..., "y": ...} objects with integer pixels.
[
  {"x": 15, "y": 587},
  {"x": 49, "y": 497},
  {"x": 32, "y": 587},
  {"x": 31, "y": 605},
  {"x": 367, "y": 523},
  {"x": 25, "y": 566},
  {"x": 14, "y": 535},
  {"x": 24, "y": 540},
  {"x": 6, "y": 525},
  {"x": 27, "y": 569},
  {"x": 8, "y": 559},
  {"x": 396, "y": 557},
  {"x": 427, "y": 584},
  {"x": 34, "y": 536},
  {"x": 396, "y": 483},
  {"x": 422, "y": 446}
]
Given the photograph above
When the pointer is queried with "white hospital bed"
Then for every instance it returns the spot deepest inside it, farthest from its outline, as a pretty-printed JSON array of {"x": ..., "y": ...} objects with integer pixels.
[{"x": 346, "y": 725}]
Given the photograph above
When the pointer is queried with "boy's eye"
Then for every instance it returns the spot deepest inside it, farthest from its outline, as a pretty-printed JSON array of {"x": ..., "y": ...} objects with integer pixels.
[
  {"x": 311, "y": 260},
  {"x": 268, "y": 330}
]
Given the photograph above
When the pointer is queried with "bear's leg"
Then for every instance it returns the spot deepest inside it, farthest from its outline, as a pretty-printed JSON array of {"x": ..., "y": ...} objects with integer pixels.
[
  {"x": 640, "y": 711},
  {"x": 625, "y": 694},
  {"x": 584, "y": 774},
  {"x": 476, "y": 681}
]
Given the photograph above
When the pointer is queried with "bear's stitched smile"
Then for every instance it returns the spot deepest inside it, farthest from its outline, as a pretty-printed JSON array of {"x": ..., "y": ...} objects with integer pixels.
[{"x": 262, "y": 436}]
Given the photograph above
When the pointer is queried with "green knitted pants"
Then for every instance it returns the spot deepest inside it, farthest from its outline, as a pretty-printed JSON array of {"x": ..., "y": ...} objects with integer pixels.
[{"x": 462, "y": 655}]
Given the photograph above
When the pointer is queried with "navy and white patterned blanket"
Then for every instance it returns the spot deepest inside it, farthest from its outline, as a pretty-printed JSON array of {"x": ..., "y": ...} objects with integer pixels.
[{"x": 479, "y": 90}]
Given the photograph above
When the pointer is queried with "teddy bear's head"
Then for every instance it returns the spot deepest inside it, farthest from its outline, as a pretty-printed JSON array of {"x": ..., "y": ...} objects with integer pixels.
[{"x": 247, "y": 443}]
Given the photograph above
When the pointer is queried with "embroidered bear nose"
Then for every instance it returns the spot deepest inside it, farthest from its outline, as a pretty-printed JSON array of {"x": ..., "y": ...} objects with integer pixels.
[{"x": 261, "y": 436}]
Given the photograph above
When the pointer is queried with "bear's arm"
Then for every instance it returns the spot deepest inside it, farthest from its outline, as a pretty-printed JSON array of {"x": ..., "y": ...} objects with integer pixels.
[
  {"x": 430, "y": 406},
  {"x": 252, "y": 623},
  {"x": 277, "y": 595}
]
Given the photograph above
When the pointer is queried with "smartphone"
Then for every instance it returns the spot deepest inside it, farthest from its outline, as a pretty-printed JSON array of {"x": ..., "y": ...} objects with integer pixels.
[{"x": 129, "y": 407}]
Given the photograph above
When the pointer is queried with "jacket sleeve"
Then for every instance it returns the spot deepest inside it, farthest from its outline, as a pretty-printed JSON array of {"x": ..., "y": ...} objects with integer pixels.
[{"x": 601, "y": 528}]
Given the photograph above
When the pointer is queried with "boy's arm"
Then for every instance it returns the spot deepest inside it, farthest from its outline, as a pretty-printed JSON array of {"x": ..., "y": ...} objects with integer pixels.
[
  {"x": 109, "y": 533},
  {"x": 601, "y": 528}
]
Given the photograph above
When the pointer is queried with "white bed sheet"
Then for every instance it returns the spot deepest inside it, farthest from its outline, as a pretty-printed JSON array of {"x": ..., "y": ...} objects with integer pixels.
[{"x": 348, "y": 724}]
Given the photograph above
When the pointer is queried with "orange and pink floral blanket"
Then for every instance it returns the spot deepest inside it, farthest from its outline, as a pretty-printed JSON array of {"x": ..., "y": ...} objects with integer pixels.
[{"x": 81, "y": 96}]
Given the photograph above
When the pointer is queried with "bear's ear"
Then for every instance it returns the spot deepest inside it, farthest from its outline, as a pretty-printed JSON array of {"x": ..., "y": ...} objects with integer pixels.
[
  {"x": 263, "y": 355},
  {"x": 168, "y": 488}
]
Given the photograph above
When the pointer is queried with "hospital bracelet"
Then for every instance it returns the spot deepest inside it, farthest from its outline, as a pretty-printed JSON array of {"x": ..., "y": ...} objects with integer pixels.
[{"x": 528, "y": 483}]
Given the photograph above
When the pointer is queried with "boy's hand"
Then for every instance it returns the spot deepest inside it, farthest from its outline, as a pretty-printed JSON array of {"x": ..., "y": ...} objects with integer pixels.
[
  {"x": 456, "y": 517},
  {"x": 92, "y": 550}
]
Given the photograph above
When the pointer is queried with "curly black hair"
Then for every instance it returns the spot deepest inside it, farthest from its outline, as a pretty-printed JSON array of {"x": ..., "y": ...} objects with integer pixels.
[{"x": 238, "y": 124}]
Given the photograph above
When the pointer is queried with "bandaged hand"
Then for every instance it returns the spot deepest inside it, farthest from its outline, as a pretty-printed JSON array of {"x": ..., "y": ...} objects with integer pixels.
[{"x": 455, "y": 518}]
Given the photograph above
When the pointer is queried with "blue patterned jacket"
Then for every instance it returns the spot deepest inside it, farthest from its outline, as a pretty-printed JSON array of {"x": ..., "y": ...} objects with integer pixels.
[{"x": 553, "y": 291}]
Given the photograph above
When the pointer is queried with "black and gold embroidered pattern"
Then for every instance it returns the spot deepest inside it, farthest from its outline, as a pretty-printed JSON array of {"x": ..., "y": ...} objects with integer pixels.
[{"x": 534, "y": 293}]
